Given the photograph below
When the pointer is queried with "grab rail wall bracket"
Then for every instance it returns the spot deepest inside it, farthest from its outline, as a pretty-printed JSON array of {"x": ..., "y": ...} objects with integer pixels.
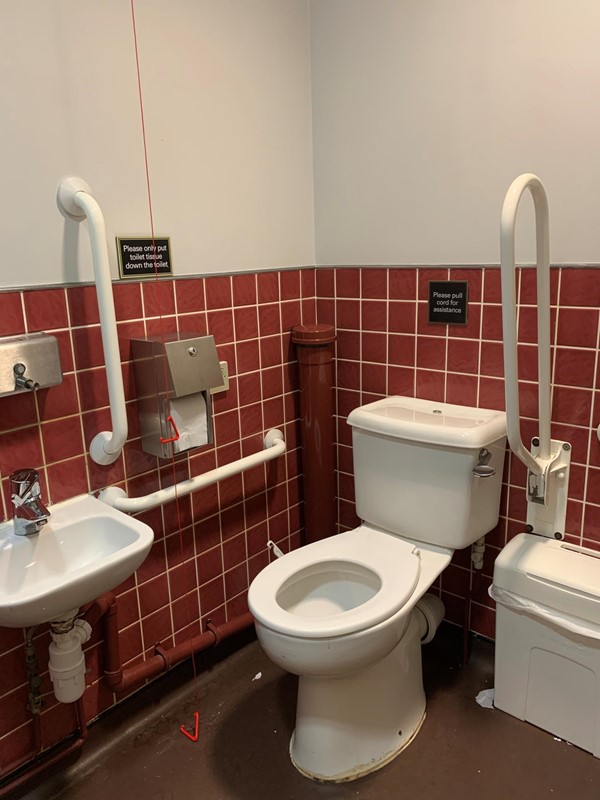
[
  {"x": 548, "y": 463},
  {"x": 548, "y": 516}
]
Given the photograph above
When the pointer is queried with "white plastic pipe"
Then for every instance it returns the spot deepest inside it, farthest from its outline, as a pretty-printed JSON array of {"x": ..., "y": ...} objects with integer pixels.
[
  {"x": 509, "y": 317},
  {"x": 66, "y": 663},
  {"x": 274, "y": 446},
  {"x": 76, "y": 201}
]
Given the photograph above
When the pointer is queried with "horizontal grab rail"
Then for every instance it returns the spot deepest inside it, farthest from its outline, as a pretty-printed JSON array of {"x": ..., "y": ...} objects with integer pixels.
[{"x": 274, "y": 446}]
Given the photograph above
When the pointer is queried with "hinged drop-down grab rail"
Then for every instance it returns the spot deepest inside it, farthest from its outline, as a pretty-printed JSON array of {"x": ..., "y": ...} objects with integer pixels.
[
  {"x": 509, "y": 316},
  {"x": 547, "y": 461}
]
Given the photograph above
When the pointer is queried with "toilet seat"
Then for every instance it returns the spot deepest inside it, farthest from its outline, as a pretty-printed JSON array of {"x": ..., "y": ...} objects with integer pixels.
[{"x": 386, "y": 566}]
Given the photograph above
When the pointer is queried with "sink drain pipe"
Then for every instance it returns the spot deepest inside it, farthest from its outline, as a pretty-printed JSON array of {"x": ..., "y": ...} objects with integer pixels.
[{"x": 66, "y": 664}]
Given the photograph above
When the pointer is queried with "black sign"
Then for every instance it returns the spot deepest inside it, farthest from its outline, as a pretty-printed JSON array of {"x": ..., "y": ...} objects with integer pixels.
[
  {"x": 141, "y": 257},
  {"x": 448, "y": 301}
]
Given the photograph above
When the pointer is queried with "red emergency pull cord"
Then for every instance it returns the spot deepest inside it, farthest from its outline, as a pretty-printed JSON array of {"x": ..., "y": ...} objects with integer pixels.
[
  {"x": 193, "y": 737},
  {"x": 171, "y": 438}
]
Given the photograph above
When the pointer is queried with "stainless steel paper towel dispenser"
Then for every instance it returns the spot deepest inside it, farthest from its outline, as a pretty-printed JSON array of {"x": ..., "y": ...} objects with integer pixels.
[
  {"x": 28, "y": 362},
  {"x": 173, "y": 376}
]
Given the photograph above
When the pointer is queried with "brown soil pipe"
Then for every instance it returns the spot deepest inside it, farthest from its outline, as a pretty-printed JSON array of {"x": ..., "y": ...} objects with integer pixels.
[
  {"x": 43, "y": 764},
  {"x": 315, "y": 350},
  {"x": 120, "y": 679}
]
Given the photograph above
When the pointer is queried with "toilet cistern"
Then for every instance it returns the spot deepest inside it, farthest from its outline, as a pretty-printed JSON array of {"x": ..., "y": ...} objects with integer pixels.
[{"x": 30, "y": 513}]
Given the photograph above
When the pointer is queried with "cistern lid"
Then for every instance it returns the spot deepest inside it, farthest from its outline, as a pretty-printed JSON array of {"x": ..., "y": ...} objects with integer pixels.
[{"x": 430, "y": 422}]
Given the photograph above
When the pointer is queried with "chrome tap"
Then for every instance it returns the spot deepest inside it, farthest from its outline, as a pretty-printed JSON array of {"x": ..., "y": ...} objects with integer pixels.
[{"x": 30, "y": 513}]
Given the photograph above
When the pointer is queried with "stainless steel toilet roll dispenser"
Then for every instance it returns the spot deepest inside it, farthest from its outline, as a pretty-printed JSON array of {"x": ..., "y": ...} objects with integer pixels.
[{"x": 173, "y": 375}]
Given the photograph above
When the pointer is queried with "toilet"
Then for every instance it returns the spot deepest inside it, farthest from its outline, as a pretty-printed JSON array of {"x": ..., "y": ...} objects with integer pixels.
[{"x": 347, "y": 614}]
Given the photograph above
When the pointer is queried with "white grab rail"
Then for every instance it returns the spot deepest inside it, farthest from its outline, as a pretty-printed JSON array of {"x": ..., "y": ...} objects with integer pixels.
[
  {"x": 274, "y": 444},
  {"x": 75, "y": 201},
  {"x": 536, "y": 465}
]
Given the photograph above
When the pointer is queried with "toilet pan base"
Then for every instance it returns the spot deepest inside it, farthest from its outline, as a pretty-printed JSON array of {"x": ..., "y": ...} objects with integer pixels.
[{"x": 349, "y": 726}]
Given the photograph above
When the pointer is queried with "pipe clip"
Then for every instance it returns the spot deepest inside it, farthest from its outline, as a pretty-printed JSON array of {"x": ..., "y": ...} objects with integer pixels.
[
  {"x": 214, "y": 629},
  {"x": 159, "y": 650}
]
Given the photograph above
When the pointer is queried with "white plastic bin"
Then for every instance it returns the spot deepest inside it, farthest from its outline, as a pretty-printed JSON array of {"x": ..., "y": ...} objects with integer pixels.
[{"x": 548, "y": 637}]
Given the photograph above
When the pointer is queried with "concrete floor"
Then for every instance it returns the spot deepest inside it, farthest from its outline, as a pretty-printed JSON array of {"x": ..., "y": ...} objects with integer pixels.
[{"x": 462, "y": 751}]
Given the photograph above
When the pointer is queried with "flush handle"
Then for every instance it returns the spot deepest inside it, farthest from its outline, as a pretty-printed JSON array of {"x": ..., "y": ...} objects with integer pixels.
[{"x": 482, "y": 469}]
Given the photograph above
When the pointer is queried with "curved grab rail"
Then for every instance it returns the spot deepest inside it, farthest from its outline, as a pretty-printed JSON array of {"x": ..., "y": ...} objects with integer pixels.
[
  {"x": 274, "y": 444},
  {"x": 509, "y": 318},
  {"x": 75, "y": 201}
]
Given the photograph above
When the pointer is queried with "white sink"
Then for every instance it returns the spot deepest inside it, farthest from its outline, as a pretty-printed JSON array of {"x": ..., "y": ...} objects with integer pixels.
[{"x": 85, "y": 549}]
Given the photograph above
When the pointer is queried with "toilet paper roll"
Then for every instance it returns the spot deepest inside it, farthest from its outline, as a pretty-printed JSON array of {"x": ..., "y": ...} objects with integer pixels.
[{"x": 190, "y": 415}]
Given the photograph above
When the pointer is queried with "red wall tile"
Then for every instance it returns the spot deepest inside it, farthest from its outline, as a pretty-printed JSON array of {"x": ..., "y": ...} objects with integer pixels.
[
  {"x": 463, "y": 355},
  {"x": 374, "y": 315},
  {"x": 244, "y": 290},
  {"x": 18, "y": 410},
  {"x": 289, "y": 284},
  {"x": 374, "y": 284},
  {"x": 11, "y": 314},
  {"x": 67, "y": 479},
  {"x": 83, "y": 305},
  {"x": 403, "y": 284},
  {"x": 347, "y": 282},
  {"x": 325, "y": 282},
  {"x": 20, "y": 449},
  {"x": 46, "y": 309},
  {"x": 580, "y": 287},
  {"x": 246, "y": 323},
  {"x": 218, "y": 292},
  {"x": 577, "y": 327},
  {"x": 62, "y": 438}
]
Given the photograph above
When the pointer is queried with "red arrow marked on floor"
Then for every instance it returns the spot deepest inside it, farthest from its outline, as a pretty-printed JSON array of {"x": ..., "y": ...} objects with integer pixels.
[{"x": 193, "y": 737}]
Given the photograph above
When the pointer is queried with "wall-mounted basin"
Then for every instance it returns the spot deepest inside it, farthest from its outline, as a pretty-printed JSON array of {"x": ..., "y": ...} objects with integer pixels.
[{"x": 85, "y": 549}]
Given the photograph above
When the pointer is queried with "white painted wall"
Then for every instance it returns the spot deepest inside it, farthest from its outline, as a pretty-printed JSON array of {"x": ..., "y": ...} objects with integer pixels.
[
  {"x": 226, "y": 92},
  {"x": 424, "y": 112}
]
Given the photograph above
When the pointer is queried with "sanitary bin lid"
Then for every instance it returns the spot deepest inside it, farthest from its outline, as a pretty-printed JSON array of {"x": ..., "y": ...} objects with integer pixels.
[
  {"x": 430, "y": 422},
  {"x": 556, "y": 574}
]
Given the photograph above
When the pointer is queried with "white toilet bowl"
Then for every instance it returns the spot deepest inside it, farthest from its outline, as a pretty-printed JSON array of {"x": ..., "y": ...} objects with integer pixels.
[{"x": 338, "y": 613}]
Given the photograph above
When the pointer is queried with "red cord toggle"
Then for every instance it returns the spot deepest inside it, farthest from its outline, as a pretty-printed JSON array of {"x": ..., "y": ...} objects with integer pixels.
[
  {"x": 171, "y": 438},
  {"x": 193, "y": 737}
]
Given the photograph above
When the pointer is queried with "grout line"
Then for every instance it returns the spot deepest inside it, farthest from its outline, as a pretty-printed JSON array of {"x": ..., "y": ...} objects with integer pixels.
[{"x": 592, "y": 433}]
